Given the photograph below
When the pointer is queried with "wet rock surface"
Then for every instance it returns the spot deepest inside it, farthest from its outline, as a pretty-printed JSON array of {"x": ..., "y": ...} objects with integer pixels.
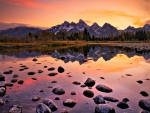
[
  {"x": 99, "y": 99},
  {"x": 8, "y": 72},
  {"x": 50, "y": 104},
  {"x": 42, "y": 108},
  {"x": 104, "y": 108},
  {"x": 122, "y": 105},
  {"x": 2, "y": 84},
  {"x": 2, "y": 91},
  {"x": 16, "y": 109},
  {"x": 88, "y": 93},
  {"x": 20, "y": 82},
  {"x": 103, "y": 88},
  {"x": 58, "y": 91},
  {"x": 125, "y": 100},
  {"x": 111, "y": 99},
  {"x": 1, "y": 102},
  {"x": 144, "y": 111},
  {"x": 145, "y": 104},
  {"x": 69, "y": 103},
  {"x": 2, "y": 77},
  {"x": 89, "y": 82},
  {"x": 14, "y": 80},
  {"x": 143, "y": 93},
  {"x": 51, "y": 69},
  {"x": 139, "y": 81},
  {"x": 52, "y": 74},
  {"x": 60, "y": 69},
  {"x": 76, "y": 83},
  {"x": 31, "y": 73},
  {"x": 36, "y": 98}
]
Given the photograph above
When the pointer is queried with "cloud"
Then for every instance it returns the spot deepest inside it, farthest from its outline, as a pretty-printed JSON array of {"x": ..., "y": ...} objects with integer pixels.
[
  {"x": 88, "y": 21},
  {"x": 147, "y": 22}
]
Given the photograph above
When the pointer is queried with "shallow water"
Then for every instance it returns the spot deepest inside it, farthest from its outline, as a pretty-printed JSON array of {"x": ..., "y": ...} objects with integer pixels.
[{"x": 113, "y": 65}]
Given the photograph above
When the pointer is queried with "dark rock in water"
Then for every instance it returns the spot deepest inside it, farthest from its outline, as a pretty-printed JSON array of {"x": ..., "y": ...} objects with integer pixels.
[
  {"x": 21, "y": 69},
  {"x": 83, "y": 72},
  {"x": 88, "y": 93},
  {"x": 34, "y": 59},
  {"x": 76, "y": 83},
  {"x": 14, "y": 80},
  {"x": 60, "y": 69},
  {"x": 83, "y": 86},
  {"x": 42, "y": 91},
  {"x": 31, "y": 73},
  {"x": 58, "y": 91},
  {"x": 50, "y": 104},
  {"x": 52, "y": 74},
  {"x": 54, "y": 81},
  {"x": 6, "y": 100},
  {"x": 9, "y": 84},
  {"x": 40, "y": 71},
  {"x": 26, "y": 68},
  {"x": 64, "y": 111},
  {"x": 143, "y": 93},
  {"x": 111, "y": 99},
  {"x": 50, "y": 87},
  {"x": 2, "y": 84},
  {"x": 34, "y": 78},
  {"x": 99, "y": 99},
  {"x": 22, "y": 66},
  {"x": 104, "y": 108},
  {"x": 51, "y": 69},
  {"x": 69, "y": 103},
  {"x": 57, "y": 98},
  {"x": 1, "y": 102},
  {"x": 20, "y": 82},
  {"x": 103, "y": 88},
  {"x": 45, "y": 66},
  {"x": 69, "y": 75},
  {"x": 8, "y": 72},
  {"x": 2, "y": 77},
  {"x": 125, "y": 100},
  {"x": 122, "y": 105},
  {"x": 144, "y": 111},
  {"x": 15, "y": 76},
  {"x": 36, "y": 98},
  {"x": 128, "y": 75},
  {"x": 2, "y": 91},
  {"x": 16, "y": 109},
  {"x": 42, "y": 108},
  {"x": 89, "y": 82},
  {"x": 102, "y": 77},
  {"x": 139, "y": 81},
  {"x": 73, "y": 93},
  {"x": 145, "y": 104}
]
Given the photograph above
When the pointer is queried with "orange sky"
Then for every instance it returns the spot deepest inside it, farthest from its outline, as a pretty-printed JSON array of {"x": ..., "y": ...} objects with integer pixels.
[{"x": 47, "y": 13}]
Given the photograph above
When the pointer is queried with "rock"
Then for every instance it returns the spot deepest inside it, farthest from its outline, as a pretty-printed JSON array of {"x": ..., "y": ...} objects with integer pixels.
[
  {"x": 14, "y": 80},
  {"x": 51, "y": 69},
  {"x": 31, "y": 73},
  {"x": 2, "y": 91},
  {"x": 34, "y": 78},
  {"x": 103, "y": 88},
  {"x": 83, "y": 86},
  {"x": 15, "y": 109},
  {"x": 15, "y": 76},
  {"x": 1, "y": 102},
  {"x": 42, "y": 91},
  {"x": 99, "y": 99},
  {"x": 36, "y": 98},
  {"x": 102, "y": 77},
  {"x": 76, "y": 83},
  {"x": 50, "y": 87},
  {"x": 57, "y": 98},
  {"x": 64, "y": 111},
  {"x": 89, "y": 82},
  {"x": 88, "y": 93},
  {"x": 26, "y": 68},
  {"x": 20, "y": 82},
  {"x": 40, "y": 71},
  {"x": 143, "y": 93},
  {"x": 144, "y": 111},
  {"x": 9, "y": 84},
  {"x": 62, "y": 58},
  {"x": 139, "y": 81},
  {"x": 145, "y": 104},
  {"x": 42, "y": 108},
  {"x": 60, "y": 69},
  {"x": 69, "y": 103},
  {"x": 45, "y": 66},
  {"x": 54, "y": 81},
  {"x": 58, "y": 91},
  {"x": 111, "y": 99},
  {"x": 69, "y": 75},
  {"x": 52, "y": 74},
  {"x": 122, "y": 105},
  {"x": 2, "y": 77},
  {"x": 73, "y": 93},
  {"x": 21, "y": 69},
  {"x": 50, "y": 104},
  {"x": 128, "y": 75},
  {"x": 34, "y": 59},
  {"x": 125, "y": 100},
  {"x": 2, "y": 84},
  {"x": 104, "y": 108},
  {"x": 8, "y": 72}
]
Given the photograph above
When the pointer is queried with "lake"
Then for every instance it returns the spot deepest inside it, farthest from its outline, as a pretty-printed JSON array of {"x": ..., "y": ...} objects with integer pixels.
[{"x": 116, "y": 67}]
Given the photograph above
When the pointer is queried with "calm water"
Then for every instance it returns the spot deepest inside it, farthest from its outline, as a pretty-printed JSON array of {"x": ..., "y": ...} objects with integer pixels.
[{"x": 110, "y": 63}]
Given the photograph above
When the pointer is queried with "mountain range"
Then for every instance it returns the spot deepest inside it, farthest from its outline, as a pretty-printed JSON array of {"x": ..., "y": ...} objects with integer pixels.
[{"x": 94, "y": 29}]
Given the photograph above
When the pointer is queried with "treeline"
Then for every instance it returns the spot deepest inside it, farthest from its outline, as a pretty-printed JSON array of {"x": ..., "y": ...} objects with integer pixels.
[{"x": 45, "y": 36}]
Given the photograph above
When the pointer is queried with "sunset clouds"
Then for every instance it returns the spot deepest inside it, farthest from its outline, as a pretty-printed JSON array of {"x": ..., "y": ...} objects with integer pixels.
[{"x": 47, "y": 13}]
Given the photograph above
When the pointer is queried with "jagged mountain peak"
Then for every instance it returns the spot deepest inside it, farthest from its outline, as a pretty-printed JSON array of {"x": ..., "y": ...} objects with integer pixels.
[
  {"x": 95, "y": 25},
  {"x": 107, "y": 25}
]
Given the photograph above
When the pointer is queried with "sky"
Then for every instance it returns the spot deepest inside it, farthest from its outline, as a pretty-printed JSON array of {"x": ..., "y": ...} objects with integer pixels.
[{"x": 47, "y": 13}]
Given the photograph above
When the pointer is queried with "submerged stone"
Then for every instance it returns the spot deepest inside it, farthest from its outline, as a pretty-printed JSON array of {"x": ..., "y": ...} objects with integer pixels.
[
  {"x": 69, "y": 103},
  {"x": 89, "y": 82},
  {"x": 58, "y": 91},
  {"x": 52, "y": 74},
  {"x": 103, "y": 88},
  {"x": 99, "y": 99},
  {"x": 145, "y": 104},
  {"x": 50, "y": 104},
  {"x": 122, "y": 105},
  {"x": 88, "y": 93},
  {"x": 31, "y": 73},
  {"x": 42, "y": 108},
  {"x": 143, "y": 93},
  {"x": 104, "y": 108},
  {"x": 111, "y": 99},
  {"x": 15, "y": 109}
]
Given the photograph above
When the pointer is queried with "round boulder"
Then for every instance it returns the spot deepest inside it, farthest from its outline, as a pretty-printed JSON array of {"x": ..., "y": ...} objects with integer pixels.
[
  {"x": 145, "y": 104},
  {"x": 104, "y": 108},
  {"x": 89, "y": 82},
  {"x": 88, "y": 93},
  {"x": 60, "y": 69},
  {"x": 111, "y": 99},
  {"x": 122, "y": 105},
  {"x": 58, "y": 91},
  {"x": 50, "y": 104},
  {"x": 2, "y": 91},
  {"x": 99, "y": 99},
  {"x": 103, "y": 88},
  {"x": 42, "y": 108},
  {"x": 36, "y": 98},
  {"x": 16, "y": 109},
  {"x": 69, "y": 103}
]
